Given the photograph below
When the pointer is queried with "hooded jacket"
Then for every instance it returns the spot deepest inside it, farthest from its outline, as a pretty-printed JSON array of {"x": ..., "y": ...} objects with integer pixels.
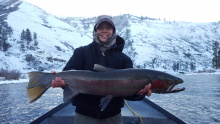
[{"x": 84, "y": 58}]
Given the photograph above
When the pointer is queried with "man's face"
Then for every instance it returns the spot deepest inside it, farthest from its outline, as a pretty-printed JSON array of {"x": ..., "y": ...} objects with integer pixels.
[{"x": 104, "y": 31}]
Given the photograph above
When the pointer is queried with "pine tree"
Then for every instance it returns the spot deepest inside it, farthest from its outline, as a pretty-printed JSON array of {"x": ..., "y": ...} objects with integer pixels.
[
  {"x": 215, "y": 59},
  {"x": 28, "y": 36},
  {"x": 5, "y": 32},
  {"x": 23, "y": 35},
  {"x": 9, "y": 30},
  {"x": 35, "y": 39},
  {"x": 1, "y": 39},
  {"x": 218, "y": 59},
  {"x": 5, "y": 46}
]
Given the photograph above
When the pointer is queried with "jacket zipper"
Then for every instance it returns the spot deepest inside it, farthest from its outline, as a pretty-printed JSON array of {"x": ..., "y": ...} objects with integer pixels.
[{"x": 103, "y": 54}]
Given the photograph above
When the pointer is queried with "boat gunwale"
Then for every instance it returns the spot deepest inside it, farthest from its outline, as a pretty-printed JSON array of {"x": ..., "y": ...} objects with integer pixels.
[{"x": 147, "y": 101}]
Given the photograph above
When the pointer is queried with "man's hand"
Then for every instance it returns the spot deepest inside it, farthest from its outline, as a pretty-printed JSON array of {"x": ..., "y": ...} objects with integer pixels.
[
  {"x": 146, "y": 91},
  {"x": 58, "y": 82}
]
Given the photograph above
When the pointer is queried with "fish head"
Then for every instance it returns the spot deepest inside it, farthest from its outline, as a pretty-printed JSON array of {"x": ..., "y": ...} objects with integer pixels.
[{"x": 166, "y": 84}]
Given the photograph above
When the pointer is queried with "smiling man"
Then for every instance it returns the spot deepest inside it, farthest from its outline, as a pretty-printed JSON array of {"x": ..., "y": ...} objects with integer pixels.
[
  {"x": 104, "y": 32},
  {"x": 106, "y": 49}
]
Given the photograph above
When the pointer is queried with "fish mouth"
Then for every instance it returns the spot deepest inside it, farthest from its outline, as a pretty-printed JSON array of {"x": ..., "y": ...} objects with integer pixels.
[
  {"x": 172, "y": 84},
  {"x": 171, "y": 89},
  {"x": 165, "y": 87}
]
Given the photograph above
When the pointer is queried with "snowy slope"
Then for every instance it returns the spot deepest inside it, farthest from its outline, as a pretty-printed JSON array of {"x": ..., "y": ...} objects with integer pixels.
[
  {"x": 174, "y": 42},
  {"x": 154, "y": 44},
  {"x": 184, "y": 44},
  {"x": 51, "y": 32}
]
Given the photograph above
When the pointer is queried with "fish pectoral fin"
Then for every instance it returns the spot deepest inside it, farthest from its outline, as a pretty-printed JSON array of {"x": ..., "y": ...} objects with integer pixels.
[
  {"x": 68, "y": 93},
  {"x": 105, "y": 101}
]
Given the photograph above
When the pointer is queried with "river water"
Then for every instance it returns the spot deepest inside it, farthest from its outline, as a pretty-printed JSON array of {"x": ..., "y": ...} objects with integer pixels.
[
  {"x": 198, "y": 104},
  {"x": 14, "y": 108}
]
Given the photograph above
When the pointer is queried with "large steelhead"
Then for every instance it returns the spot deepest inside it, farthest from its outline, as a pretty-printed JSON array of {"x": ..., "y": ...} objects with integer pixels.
[{"x": 104, "y": 82}]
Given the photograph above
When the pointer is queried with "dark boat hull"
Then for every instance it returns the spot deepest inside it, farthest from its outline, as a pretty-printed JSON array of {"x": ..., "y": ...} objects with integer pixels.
[{"x": 149, "y": 112}]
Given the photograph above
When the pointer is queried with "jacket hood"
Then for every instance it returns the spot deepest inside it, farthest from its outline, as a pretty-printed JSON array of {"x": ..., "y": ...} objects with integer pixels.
[
  {"x": 101, "y": 19},
  {"x": 119, "y": 45},
  {"x": 111, "y": 40}
]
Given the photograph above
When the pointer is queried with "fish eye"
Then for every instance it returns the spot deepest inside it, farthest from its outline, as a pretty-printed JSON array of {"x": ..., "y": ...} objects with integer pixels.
[{"x": 170, "y": 82}]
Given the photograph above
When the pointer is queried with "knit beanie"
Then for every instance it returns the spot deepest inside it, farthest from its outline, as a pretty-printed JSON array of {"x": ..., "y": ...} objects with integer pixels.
[{"x": 103, "y": 18}]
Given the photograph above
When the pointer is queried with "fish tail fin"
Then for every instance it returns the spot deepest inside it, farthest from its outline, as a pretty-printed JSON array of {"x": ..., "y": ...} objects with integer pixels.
[{"x": 35, "y": 88}]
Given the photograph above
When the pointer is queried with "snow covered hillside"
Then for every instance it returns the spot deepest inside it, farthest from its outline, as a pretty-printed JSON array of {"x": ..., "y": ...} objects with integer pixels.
[
  {"x": 57, "y": 40},
  {"x": 151, "y": 43}
]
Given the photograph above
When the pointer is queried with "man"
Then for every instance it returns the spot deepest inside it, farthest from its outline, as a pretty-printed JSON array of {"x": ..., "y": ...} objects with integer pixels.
[{"x": 106, "y": 49}]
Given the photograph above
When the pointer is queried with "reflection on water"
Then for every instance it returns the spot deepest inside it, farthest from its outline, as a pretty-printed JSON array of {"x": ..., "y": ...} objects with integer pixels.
[
  {"x": 15, "y": 109},
  {"x": 198, "y": 104}
]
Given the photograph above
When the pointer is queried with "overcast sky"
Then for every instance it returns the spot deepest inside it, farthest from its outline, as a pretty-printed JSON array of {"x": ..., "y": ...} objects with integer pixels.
[{"x": 178, "y": 10}]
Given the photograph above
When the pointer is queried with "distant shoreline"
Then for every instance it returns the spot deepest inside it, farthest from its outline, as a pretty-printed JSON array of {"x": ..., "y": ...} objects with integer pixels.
[{"x": 14, "y": 81}]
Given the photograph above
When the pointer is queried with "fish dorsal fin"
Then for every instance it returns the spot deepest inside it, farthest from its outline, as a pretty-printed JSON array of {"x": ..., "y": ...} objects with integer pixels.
[{"x": 101, "y": 68}]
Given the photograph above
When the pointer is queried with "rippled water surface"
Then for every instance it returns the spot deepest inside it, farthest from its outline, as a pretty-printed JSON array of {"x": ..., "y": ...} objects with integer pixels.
[
  {"x": 198, "y": 104},
  {"x": 14, "y": 108}
]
